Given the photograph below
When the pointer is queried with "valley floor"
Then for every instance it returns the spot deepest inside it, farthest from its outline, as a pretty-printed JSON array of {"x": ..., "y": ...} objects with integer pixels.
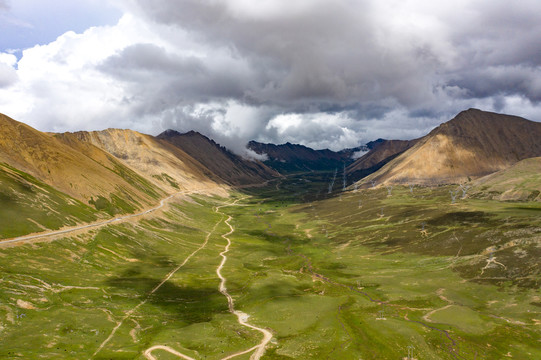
[{"x": 286, "y": 271}]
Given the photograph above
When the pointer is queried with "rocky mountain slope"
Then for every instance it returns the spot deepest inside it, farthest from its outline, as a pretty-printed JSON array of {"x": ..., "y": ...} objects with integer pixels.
[
  {"x": 380, "y": 153},
  {"x": 84, "y": 175},
  {"x": 161, "y": 163},
  {"x": 473, "y": 144},
  {"x": 221, "y": 163}
]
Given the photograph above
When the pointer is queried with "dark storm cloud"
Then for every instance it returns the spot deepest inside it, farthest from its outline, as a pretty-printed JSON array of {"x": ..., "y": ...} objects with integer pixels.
[
  {"x": 324, "y": 55},
  {"x": 337, "y": 56},
  {"x": 317, "y": 72},
  {"x": 152, "y": 59},
  {"x": 502, "y": 80},
  {"x": 159, "y": 80}
]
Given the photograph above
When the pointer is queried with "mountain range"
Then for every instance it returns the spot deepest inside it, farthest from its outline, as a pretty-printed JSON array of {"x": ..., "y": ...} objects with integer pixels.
[
  {"x": 117, "y": 244},
  {"x": 287, "y": 158},
  {"x": 120, "y": 171}
]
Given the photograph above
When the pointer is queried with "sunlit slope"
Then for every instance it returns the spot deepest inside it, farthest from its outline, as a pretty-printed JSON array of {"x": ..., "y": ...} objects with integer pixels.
[
  {"x": 522, "y": 181},
  {"x": 91, "y": 176},
  {"x": 473, "y": 144},
  {"x": 28, "y": 205},
  {"x": 161, "y": 163}
]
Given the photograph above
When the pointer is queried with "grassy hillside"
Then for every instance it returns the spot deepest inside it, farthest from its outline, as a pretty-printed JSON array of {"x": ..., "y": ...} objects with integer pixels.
[
  {"x": 65, "y": 297},
  {"x": 28, "y": 205},
  {"x": 521, "y": 182},
  {"x": 82, "y": 171}
]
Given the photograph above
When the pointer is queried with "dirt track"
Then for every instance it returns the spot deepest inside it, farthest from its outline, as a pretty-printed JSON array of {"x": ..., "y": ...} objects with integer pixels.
[
  {"x": 164, "y": 280},
  {"x": 242, "y": 317},
  {"x": 31, "y": 237}
]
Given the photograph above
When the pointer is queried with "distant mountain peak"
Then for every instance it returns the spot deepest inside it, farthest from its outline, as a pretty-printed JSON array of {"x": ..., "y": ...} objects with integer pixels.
[
  {"x": 193, "y": 133},
  {"x": 290, "y": 157},
  {"x": 168, "y": 133},
  {"x": 171, "y": 133}
]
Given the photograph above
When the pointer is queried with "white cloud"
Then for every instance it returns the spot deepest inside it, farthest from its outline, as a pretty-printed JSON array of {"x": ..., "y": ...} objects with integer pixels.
[
  {"x": 8, "y": 74},
  {"x": 318, "y": 130},
  {"x": 60, "y": 87},
  {"x": 324, "y": 74},
  {"x": 359, "y": 154},
  {"x": 8, "y": 59}
]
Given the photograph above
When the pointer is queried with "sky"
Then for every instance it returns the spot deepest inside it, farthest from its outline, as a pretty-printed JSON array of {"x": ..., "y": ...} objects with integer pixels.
[{"x": 326, "y": 74}]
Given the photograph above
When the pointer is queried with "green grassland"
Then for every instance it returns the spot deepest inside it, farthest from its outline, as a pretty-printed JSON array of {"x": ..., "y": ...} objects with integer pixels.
[
  {"x": 345, "y": 275},
  {"x": 522, "y": 181},
  {"x": 27, "y": 205}
]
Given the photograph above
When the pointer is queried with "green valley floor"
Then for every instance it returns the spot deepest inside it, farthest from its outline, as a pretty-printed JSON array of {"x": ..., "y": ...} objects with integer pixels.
[{"x": 285, "y": 271}]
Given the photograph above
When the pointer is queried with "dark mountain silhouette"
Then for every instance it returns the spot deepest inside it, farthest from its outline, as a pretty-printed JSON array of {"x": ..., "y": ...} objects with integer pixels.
[
  {"x": 288, "y": 157},
  {"x": 222, "y": 163},
  {"x": 380, "y": 153}
]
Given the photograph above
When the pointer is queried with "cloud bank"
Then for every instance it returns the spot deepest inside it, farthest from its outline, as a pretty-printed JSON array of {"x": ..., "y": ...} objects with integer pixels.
[{"x": 324, "y": 74}]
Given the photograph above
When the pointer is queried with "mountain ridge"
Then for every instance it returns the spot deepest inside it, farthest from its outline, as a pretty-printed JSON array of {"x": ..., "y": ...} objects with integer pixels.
[
  {"x": 222, "y": 163},
  {"x": 82, "y": 176},
  {"x": 381, "y": 152},
  {"x": 162, "y": 164},
  {"x": 290, "y": 157},
  {"x": 472, "y": 144}
]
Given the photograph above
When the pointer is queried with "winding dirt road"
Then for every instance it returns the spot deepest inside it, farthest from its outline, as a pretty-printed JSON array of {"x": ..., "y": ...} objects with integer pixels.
[
  {"x": 242, "y": 317},
  {"x": 31, "y": 237},
  {"x": 164, "y": 280},
  {"x": 148, "y": 352}
]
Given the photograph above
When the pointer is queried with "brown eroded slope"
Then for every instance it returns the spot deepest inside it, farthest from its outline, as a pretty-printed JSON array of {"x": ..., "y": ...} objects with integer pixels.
[
  {"x": 473, "y": 144},
  {"x": 161, "y": 163},
  {"x": 230, "y": 168},
  {"x": 84, "y": 176}
]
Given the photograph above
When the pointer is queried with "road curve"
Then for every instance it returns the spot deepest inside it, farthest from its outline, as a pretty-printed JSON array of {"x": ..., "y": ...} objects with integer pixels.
[
  {"x": 242, "y": 317},
  {"x": 148, "y": 352}
]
